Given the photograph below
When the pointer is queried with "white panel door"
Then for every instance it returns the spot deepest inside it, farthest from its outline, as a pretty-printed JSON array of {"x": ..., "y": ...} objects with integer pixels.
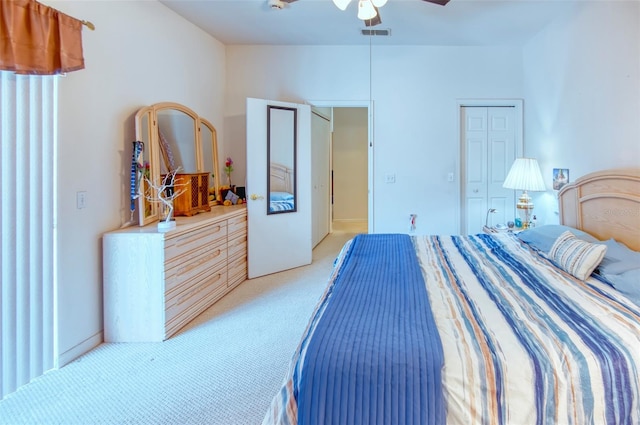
[
  {"x": 277, "y": 242},
  {"x": 475, "y": 170},
  {"x": 489, "y": 150},
  {"x": 501, "y": 154}
]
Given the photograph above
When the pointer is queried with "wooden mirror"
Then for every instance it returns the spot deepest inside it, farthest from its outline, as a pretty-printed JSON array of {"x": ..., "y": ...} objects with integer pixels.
[
  {"x": 208, "y": 139},
  {"x": 147, "y": 211},
  {"x": 177, "y": 135},
  {"x": 176, "y": 138},
  {"x": 281, "y": 159}
]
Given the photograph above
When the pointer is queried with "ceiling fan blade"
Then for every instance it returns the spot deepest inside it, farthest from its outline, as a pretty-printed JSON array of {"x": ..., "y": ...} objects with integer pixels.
[
  {"x": 376, "y": 20},
  {"x": 440, "y": 2}
]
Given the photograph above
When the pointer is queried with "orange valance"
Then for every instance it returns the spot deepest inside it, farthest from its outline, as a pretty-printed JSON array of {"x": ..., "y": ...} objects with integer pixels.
[{"x": 37, "y": 39}]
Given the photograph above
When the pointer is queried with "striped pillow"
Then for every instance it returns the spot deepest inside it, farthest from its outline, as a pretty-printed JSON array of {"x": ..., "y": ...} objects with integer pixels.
[{"x": 576, "y": 256}]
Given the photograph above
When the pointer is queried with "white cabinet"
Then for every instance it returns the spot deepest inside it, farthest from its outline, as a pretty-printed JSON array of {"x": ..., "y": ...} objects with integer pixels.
[{"x": 155, "y": 282}]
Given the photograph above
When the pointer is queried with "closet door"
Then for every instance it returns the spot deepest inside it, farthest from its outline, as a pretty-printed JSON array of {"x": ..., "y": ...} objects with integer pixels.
[
  {"x": 489, "y": 149},
  {"x": 320, "y": 178}
]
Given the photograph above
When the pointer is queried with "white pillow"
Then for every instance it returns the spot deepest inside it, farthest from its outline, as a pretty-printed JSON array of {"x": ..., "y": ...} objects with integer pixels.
[{"x": 576, "y": 256}]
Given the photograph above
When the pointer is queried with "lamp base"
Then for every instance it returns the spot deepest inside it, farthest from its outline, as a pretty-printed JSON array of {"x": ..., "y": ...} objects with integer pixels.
[{"x": 525, "y": 207}]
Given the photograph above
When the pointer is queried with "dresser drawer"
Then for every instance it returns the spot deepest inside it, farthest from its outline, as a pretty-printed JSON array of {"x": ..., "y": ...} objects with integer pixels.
[
  {"x": 204, "y": 260},
  {"x": 237, "y": 270},
  {"x": 237, "y": 246},
  {"x": 238, "y": 224},
  {"x": 192, "y": 299},
  {"x": 182, "y": 245}
]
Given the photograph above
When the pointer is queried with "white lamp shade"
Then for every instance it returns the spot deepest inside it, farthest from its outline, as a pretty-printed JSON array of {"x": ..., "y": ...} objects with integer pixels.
[
  {"x": 379, "y": 3},
  {"x": 366, "y": 10},
  {"x": 525, "y": 175},
  {"x": 341, "y": 4}
]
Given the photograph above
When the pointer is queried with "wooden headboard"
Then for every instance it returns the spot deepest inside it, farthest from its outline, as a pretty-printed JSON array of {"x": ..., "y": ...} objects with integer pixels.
[{"x": 605, "y": 204}]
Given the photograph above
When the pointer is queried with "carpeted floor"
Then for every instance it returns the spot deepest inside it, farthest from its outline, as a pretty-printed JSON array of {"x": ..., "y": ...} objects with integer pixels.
[{"x": 223, "y": 368}]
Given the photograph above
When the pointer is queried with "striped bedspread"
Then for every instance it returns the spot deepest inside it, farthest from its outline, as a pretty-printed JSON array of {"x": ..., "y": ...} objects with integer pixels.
[
  {"x": 523, "y": 341},
  {"x": 281, "y": 206}
]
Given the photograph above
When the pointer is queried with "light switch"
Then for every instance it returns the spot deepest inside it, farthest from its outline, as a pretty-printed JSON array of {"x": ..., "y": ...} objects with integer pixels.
[{"x": 81, "y": 200}]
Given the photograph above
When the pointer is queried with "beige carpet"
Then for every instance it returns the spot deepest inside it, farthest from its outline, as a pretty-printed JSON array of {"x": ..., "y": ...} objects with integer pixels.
[{"x": 223, "y": 368}]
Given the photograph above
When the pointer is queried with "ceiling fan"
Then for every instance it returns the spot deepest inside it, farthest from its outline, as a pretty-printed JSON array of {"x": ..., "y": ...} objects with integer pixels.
[
  {"x": 279, "y": 4},
  {"x": 367, "y": 9}
]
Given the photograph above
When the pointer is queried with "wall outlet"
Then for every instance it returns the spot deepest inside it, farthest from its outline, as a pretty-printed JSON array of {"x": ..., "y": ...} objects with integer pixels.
[
  {"x": 450, "y": 177},
  {"x": 390, "y": 178}
]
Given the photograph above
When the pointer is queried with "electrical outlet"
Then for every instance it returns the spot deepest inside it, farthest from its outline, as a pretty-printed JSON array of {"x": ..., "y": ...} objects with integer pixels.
[
  {"x": 450, "y": 177},
  {"x": 81, "y": 200},
  {"x": 390, "y": 178}
]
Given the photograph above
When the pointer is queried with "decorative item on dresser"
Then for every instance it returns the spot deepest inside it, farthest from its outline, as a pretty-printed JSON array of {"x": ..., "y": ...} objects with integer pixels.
[
  {"x": 195, "y": 198},
  {"x": 156, "y": 282}
]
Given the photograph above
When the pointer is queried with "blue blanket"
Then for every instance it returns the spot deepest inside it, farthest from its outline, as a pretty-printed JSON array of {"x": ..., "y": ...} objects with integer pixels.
[
  {"x": 524, "y": 342},
  {"x": 394, "y": 345}
]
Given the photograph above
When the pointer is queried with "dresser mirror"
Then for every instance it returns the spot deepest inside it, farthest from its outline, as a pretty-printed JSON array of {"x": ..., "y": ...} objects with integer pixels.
[
  {"x": 175, "y": 138},
  {"x": 147, "y": 211},
  {"x": 281, "y": 159},
  {"x": 208, "y": 139}
]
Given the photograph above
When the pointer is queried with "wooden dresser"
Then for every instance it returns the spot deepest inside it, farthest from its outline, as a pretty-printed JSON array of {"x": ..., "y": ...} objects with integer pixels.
[{"x": 155, "y": 282}]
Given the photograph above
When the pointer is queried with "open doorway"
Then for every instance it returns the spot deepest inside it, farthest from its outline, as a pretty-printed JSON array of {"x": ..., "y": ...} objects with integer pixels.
[
  {"x": 354, "y": 118},
  {"x": 349, "y": 160}
]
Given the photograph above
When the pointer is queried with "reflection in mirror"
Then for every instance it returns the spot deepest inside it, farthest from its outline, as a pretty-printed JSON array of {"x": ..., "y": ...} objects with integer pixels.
[
  {"x": 281, "y": 159},
  {"x": 147, "y": 211},
  {"x": 208, "y": 139},
  {"x": 176, "y": 137}
]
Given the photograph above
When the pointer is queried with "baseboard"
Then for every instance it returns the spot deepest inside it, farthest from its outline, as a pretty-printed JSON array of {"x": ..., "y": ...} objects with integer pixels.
[{"x": 80, "y": 349}]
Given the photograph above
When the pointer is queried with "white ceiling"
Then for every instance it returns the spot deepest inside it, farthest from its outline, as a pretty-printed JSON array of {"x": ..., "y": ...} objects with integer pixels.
[{"x": 320, "y": 22}]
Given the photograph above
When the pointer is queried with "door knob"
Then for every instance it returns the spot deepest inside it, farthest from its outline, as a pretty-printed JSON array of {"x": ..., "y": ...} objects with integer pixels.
[{"x": 255, "y": 197}]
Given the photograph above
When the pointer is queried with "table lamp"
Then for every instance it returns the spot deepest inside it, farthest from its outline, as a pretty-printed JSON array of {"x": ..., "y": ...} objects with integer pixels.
[{"x": 525, "y": 175}]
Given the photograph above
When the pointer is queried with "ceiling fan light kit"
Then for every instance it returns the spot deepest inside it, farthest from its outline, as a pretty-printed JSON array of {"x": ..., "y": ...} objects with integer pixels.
[
  {"x": 341, "y": 4},
  {"x": 368, "y": 9}
]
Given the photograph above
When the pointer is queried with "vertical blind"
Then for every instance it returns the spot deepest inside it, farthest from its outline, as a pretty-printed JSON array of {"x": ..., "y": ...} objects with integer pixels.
[{"x": 27, "y": 227}]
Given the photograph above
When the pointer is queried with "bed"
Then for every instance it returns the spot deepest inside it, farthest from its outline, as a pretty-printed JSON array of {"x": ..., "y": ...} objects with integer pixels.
[
  {"x": 281, "y": 198},
  {"x": 475, "y": 329}
]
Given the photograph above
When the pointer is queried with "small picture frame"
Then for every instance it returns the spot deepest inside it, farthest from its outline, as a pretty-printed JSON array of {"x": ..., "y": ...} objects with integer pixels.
[{"x": 560, "y": 177}]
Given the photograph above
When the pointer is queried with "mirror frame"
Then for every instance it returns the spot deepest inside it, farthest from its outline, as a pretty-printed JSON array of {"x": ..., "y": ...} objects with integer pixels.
[
  {"x": 294, "y": 172},
  {"x": 158, "y": 109},
  {"x": 154, "y": 154},
  {"x": 144, "y": 133},
  {"x": 214, "y": 159}
]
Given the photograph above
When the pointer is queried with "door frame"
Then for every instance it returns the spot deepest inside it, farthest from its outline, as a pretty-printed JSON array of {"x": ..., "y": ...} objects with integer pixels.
[
  {"x": 357, "y": 104},
  {"x": 518, "y": 105}
]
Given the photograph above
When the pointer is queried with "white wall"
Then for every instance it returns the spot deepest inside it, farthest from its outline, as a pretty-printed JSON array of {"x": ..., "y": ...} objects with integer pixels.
[
  {"x": 140, "y": 53},
  {"x": 414, "y": 89},
  {"x": 582, "y": 94}
]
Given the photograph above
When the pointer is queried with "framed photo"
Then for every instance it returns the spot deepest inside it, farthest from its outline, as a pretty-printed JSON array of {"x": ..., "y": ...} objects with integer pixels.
[{"x": 560, "y": 177}]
